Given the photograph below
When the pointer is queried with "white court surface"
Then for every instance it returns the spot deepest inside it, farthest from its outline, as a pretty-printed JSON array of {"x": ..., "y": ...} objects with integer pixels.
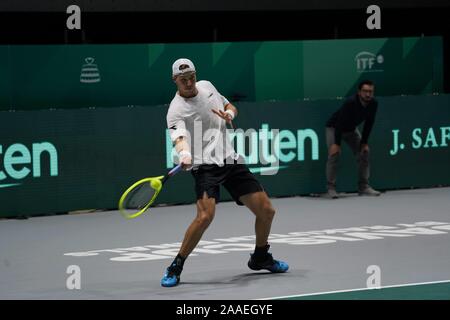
[{"x": 330, "y": 245}]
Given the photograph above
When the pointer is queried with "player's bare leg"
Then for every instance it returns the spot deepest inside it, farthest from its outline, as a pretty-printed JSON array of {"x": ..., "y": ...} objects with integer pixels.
[
  {"x": 259, "y": 203},
  {"x": 206, "y": 208}
]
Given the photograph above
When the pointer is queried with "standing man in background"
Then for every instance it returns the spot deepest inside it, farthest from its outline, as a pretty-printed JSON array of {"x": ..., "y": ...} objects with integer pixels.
[{"x": 361, "y": 107}]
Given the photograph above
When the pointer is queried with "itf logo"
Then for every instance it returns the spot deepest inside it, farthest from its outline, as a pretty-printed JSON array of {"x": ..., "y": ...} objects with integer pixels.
[
  {"x": 89, "y": 71},
  {"x": 369, "y": 62}
]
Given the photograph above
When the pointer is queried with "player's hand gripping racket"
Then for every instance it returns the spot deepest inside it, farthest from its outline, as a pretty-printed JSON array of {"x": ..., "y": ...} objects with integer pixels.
[{"x": 142, "y": 194}]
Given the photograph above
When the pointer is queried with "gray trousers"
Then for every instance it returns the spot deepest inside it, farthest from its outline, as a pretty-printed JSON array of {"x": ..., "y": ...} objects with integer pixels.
[{"x": 353, "y": 140}]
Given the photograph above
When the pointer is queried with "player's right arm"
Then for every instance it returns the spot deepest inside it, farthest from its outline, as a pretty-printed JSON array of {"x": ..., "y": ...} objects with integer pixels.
[
  {"x": 182, "y": 148},
  {"x": 179, "y": 136}
]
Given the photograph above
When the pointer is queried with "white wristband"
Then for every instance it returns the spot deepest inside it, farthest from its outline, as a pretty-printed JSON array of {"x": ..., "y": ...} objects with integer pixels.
[
  {"x": 184, "y": 153},
  {"x": 231, "y": 113}
]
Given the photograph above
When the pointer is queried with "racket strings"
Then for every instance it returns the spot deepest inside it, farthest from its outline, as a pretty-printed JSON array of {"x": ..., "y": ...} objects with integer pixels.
[{"x": 139, "y": 197}]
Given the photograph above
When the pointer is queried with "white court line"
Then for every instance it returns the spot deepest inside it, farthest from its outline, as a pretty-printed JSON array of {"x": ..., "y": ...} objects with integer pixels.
[{"x": 351, "y": 290}]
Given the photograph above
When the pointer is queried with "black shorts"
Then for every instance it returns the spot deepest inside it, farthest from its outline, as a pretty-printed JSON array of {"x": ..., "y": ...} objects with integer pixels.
[{"x": 236, "y": 178}]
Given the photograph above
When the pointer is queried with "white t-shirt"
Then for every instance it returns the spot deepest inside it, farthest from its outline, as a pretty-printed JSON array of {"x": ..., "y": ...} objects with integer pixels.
[{"x": 205, "y": 131}]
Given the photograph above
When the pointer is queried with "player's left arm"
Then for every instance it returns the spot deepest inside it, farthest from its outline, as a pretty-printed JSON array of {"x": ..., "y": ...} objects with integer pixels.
[
  {"x": 229, "y": 111},
  {"x": 232, "y": 108},
  {"x": 229, "y": 114}
]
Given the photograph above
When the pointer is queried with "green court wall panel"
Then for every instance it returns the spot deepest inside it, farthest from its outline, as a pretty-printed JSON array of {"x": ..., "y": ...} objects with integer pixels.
[
  {"x": 82, "y": 76},
  {"x": 54, "y": 161}
]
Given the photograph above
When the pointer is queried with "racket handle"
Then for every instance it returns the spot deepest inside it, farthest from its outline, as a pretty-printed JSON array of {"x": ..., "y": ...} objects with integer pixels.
[{"x": 174, "y": 170}]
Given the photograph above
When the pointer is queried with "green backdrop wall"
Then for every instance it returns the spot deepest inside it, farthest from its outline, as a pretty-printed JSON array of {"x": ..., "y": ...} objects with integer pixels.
[
  {"x": 74, "y": 76},
  {"x": 61, "y": 160}
]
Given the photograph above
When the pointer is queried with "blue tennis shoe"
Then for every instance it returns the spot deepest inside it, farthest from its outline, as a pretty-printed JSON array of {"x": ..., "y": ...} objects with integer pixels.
[
  {"x": 171, "y": 277},
  {"x": 170, "y": 280},
  {"x": 269, "y": 263}
]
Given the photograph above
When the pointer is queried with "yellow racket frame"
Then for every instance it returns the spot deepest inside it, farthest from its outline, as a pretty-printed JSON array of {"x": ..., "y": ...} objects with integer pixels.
[{"x": 124, "y": 195}]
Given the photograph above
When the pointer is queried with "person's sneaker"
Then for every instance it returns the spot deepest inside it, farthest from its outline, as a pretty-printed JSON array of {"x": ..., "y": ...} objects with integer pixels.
[
  {"x": 171, "y": 277},
  {"x": 368, "y": 191},
  {"x": 270, "y": 264},
  {"x": 332, "y": 194}
]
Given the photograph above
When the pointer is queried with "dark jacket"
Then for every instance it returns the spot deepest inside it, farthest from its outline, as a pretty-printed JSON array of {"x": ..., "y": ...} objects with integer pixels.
[{"x": 351, "y": 114}]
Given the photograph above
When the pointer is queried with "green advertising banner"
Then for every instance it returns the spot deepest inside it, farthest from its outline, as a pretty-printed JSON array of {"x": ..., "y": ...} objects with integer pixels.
[
  {"x": 83, "y": 76},
  {"x": 55, "y": 161}
]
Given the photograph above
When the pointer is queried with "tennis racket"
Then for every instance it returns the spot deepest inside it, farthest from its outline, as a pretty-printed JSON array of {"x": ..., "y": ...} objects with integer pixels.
[{"x": 142, "y": 194}]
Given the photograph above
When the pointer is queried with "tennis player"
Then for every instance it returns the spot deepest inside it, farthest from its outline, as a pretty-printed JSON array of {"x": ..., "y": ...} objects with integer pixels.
[
  {"x": 342, "y": 125},
  {"x": 196, "y": 120}
]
